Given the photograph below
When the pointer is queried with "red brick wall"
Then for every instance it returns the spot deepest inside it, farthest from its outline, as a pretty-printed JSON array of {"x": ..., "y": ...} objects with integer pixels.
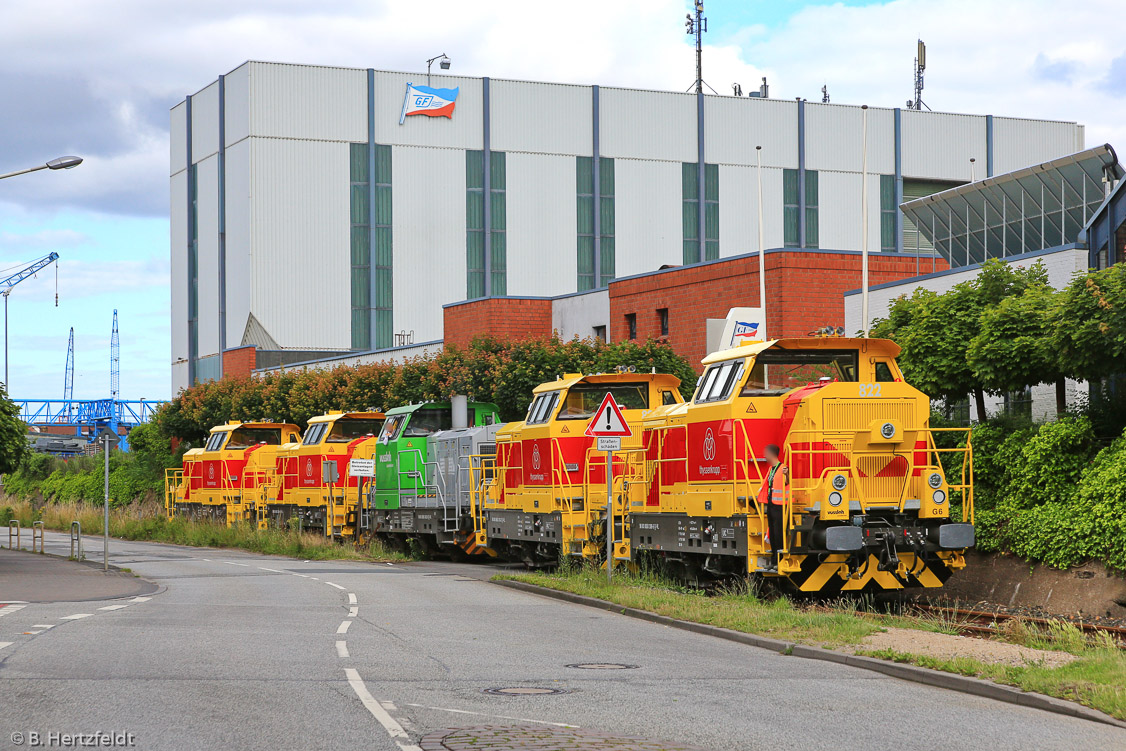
[
  {"x": 500, "y": 317},
  {"x": 239, "y": 361},
  {"x": 805, "y": 291}
]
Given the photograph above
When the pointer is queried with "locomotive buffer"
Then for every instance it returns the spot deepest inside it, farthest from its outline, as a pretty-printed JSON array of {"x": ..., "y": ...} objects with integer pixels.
[{"x": 608, "y": 427}]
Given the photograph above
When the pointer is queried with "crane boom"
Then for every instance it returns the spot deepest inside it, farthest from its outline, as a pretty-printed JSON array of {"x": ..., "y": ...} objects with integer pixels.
[
  {"x": 35, "y": 267},
  {"x": 68, "y": 380},
  {"x": 114, "y": 360}
]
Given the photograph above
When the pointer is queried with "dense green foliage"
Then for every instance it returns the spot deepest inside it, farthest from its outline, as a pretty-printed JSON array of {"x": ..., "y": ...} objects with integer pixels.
[
  {"x": 13, "y": 441},
  {"x": 488, "y": 370}
]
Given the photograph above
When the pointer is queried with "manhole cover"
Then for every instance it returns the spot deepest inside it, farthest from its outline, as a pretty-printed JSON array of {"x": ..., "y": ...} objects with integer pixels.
[
  {"x": 526, "y": 691},
  {"x": 603, "y": 666}
]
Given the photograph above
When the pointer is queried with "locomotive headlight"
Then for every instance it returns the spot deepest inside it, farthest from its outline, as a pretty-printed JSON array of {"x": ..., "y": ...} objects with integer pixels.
[
  {"x": 835, "y": 499},
  {"x": 935, "y": 480},
  {"x": 939, "y": 496},
  {"x": 839, "y": 482},
  {"x": 887, "y": 430}
]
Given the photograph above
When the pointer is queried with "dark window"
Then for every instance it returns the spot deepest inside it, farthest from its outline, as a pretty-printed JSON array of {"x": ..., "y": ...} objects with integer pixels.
[
  {"x": 631, "y": 324},
  {"x": 719, "y": 380},
  {"x": 370, "y": 291},
  {"x": 663, "y": 317},
  {"x": 427, "y": 421},
  {"x": 791, "y": 208},
  {"x": 883, "y": 373},
  {"x": 600, "y": 332},
  {"x": 475, "y": 225},
  {"x": 776, "y": 371},
  {"x": 589, "y": 277},
  {"x": 215, "y": 441},
  {"x": 314, "y": 434},
  {"x": 690, "y": 217},
  {"x": 244, "y": 438},
  {"x": 888, "y": 211},
  {"x": 193, "y": 266},
  {"x": 542, "y": 407},
  {"x": 583, "y": 399},
  {"x": 668, "y": 397},
  {"x": 348, "y": 429}
]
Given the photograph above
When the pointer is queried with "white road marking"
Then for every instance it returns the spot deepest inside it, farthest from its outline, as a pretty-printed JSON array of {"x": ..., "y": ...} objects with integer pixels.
[
  {"x": 351, "y": 599},
  {"x": 204, "y": 559},
  {"x": 353, "y": 612},
  {"x": 393, "y": 728},
  {"x": 75, "y": 617},
  {"x": 342, "y": 649},
  {"x": 43, "y": 625},
  {"x": 334, "y": 585},
  {"x": 114, "y": 607},
  {"x": 140, "y": 599},
  {"x": 343, "y": 627},
  {"x": 499, "y": 716},
  {"x": 5, "y": 644},
  {"x": 11, "y": 609},
  {"x": 263, "y": 568},
  {"x": 314, "y": 578},
  {"x": 31, "y": 633},
  {"x": 302, "y": 576},
  {"x": 237, "y": 564}
]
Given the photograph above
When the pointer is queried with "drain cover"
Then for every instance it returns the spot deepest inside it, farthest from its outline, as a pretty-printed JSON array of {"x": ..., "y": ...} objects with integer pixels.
[
  {"x": 526, "y": 691},
  {"x": 603, "y": 666}
]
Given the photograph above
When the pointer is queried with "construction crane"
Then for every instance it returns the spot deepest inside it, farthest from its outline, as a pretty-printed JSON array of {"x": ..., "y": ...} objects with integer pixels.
[
  {"x": 68, "y": 378},
  {"x": 8, "y": 282},
  {"x": 114, "y": 361}
]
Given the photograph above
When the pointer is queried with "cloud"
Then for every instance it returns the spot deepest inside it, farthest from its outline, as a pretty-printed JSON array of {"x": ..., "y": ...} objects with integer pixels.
[{"x": 44, "y": 240}]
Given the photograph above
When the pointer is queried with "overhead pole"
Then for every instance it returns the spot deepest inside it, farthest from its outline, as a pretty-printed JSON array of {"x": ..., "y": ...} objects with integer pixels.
[{"x": 696, "y": 24}]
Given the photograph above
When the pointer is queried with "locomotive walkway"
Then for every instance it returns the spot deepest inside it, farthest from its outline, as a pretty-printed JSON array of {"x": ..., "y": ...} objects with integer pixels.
[{"x": 254, "y": 652}]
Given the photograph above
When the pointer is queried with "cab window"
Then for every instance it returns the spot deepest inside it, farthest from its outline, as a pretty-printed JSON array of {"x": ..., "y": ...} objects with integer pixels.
[
  {"x": 777, "y": 371},
  {"x": 346, "y": 430},
  {"x": 314, "y": 434},
  {"x": 667, "y": 398},
  {"x": 883, "y": 372},
  {"x": 719, "y": 381},
  {"x": 392, "y": 426},
  {"x": 244, "y": 438},
  {"x": 215, "y": 441},
  {"x": 583, "y": 399},
  {"x": 542, "y": 407}
]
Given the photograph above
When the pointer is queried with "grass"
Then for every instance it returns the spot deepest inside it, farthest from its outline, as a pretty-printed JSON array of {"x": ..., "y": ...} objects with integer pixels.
[
  {"x": 148, "y": 522},
  {"x": 1097, "y": 678}
]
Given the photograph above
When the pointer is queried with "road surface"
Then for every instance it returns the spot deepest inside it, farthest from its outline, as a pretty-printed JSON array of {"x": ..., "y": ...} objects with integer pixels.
[{"x": 241, "y": 651}]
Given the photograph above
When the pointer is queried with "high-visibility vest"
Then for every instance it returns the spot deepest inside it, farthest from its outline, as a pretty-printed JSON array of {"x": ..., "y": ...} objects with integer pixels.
[{"x": 779, "y": 491}]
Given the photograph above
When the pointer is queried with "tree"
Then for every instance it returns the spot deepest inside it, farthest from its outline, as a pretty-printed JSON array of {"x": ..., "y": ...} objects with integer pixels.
[
  {"x": 1013, "y": 348},
  {"x": 13, "y": 434},
  {"x": 1089, "y": 325}
]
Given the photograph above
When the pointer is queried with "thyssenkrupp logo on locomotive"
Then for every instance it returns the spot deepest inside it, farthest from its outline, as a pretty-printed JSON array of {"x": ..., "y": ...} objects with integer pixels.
[
  {"x": 709, "y": 446},
  {"x": 308, "y": 467},
  {"x": 535, "y": 457}
]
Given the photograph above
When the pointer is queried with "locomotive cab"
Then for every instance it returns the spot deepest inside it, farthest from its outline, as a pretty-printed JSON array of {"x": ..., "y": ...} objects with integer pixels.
[
  {"x": 549, "y": 499},
  {"x": 314, "y": 483},
  {"x": 868, "y": 500},
  {"x": 229, "y": 479}
]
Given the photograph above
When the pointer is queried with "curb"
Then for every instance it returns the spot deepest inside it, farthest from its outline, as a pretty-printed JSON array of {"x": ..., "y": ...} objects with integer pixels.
[{"x": 936, "y": 678}]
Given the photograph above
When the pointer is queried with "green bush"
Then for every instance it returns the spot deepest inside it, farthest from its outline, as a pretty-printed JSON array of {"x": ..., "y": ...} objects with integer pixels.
[{"x": 1050, "y": 464}]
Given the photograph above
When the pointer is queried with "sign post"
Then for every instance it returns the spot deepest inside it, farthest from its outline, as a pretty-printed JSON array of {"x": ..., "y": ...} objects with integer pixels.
[{"x": 609, "y": 427}]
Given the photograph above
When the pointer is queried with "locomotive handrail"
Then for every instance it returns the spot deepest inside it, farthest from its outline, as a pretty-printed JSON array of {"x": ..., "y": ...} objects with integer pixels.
[
  {"x": 173, "y": 479},
  {"x": 752, "y": 493}
]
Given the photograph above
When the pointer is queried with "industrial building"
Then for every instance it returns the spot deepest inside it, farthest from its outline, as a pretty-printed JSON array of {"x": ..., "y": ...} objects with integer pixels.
[{"x": 314, "y": 220}]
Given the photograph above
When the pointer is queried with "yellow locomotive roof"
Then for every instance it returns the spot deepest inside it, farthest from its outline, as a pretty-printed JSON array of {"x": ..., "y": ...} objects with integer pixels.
[
  {"x": 570, "y": 379},
  {"x": 884, "y": 347},
  {"x": 235, "y": 425},
  {"x": 334, "y": 415}
]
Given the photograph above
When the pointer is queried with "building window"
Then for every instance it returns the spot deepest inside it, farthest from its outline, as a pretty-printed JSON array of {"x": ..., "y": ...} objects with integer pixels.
[
  {"x": 690, "y": 212},
  {"x": 663, "y": 318},
  {"x": 599, "y": 333},
  {"x": 371, "y": 282},
  {"x": 584, "y": 182},
  {"x": 791, "y": 209},
  {"x": 193, "y": 270},
  {"x": 631, "y": 325},
  {"x": 888, "y": 211},
  {"x": 476, "y": 283}
]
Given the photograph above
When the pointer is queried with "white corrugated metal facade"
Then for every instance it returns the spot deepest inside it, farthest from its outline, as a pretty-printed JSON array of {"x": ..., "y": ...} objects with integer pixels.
[{"x": 288, "y": 249}]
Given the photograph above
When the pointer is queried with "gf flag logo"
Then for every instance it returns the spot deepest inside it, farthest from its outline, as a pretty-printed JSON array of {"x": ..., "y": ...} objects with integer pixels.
[
  {"x": 424, "y": 100},
  {"x": 535, "y": 457},
  {"x": 709, "y": 446},
  {"x": 744, "y": 331}
]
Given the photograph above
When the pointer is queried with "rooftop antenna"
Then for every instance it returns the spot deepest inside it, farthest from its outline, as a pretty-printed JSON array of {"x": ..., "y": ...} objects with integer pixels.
[
  {"x": 697, "y": 24},
  {"x": 737, "y": 89},
  {"x": 825, "y": 94},
  {"x": 114, "y": 361},
  {"x": 920, "y": 67}
]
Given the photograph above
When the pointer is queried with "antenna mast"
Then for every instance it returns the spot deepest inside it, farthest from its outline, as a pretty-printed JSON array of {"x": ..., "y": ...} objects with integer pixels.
[
  {"x": 697, "y": 24},
  {"x": 114, "y": 361},
  {"x": 920, "y": 67}
]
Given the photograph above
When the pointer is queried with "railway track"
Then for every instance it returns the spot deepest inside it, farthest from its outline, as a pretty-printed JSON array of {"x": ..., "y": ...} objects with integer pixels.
[{"x": 973, "y": 622}]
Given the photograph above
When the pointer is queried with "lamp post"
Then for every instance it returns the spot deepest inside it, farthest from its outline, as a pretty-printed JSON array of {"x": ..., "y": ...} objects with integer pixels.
[
  {"x": 62, "y": 162},
  {"x": 864, "y": 224},
  {"x": 761, "y": 244},
  {"x": 443, "y": 63}
]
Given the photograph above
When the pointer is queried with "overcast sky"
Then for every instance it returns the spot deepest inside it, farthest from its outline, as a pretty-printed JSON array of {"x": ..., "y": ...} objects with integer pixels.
[{"x": 97, "y": 79}]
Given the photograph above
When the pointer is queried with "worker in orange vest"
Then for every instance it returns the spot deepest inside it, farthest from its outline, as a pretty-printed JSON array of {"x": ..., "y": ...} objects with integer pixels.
[{"x": 774, "y": 495}]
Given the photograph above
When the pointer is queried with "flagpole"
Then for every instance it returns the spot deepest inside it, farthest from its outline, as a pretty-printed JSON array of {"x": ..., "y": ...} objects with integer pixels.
[
  {"x": 406, "y": 96},
  {"x": 864, "y": 224},
  {"x": 761, "y": 243}
]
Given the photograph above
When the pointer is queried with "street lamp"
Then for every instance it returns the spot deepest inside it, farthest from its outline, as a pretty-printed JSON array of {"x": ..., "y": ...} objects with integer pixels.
[
  {"x": 62, "y": 162},
  {"x": 443, "y": 63}
]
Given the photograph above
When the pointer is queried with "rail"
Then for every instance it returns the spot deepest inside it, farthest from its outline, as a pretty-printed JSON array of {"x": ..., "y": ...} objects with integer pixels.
[
  {"x": 76, "y": 539},
  {"x": 173, "y": 480},
  {"x": 751, "y": 487}
]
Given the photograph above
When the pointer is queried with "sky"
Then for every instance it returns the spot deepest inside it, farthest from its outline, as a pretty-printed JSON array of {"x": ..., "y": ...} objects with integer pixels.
[{"x": 98, "y": 79}]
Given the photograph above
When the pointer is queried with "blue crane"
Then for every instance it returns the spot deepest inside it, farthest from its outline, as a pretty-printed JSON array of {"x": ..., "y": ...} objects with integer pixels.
[
  {"x": 114, "y": 361},
  {"x": 8, "y": 282}
]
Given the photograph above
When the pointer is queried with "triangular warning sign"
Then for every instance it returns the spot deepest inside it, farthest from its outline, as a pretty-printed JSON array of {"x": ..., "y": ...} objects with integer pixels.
[{"x": 608, "y": 421}]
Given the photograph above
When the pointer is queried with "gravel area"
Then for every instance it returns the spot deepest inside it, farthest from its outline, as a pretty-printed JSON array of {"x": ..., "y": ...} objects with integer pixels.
[{"x": 946, "y": 646}]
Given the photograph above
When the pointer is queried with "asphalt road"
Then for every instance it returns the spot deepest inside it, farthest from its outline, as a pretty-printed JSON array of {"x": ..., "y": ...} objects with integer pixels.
[{"x": 239, "y": 651}]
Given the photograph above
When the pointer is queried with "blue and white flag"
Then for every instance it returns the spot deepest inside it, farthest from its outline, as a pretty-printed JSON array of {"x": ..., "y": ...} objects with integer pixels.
[{"x": 423, "y": 100}]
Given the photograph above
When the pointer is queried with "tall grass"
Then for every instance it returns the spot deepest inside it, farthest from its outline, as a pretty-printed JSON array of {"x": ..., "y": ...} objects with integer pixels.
[{"x": 147, "y": 521}]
